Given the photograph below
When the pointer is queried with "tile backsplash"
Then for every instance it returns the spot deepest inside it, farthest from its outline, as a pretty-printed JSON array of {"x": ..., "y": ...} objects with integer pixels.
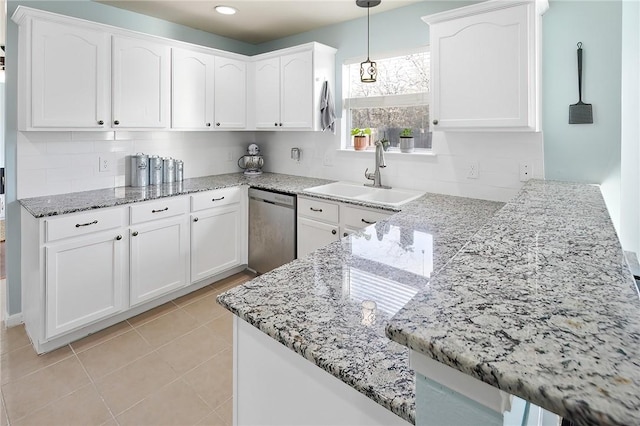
[{"x": 60, "y": 162}]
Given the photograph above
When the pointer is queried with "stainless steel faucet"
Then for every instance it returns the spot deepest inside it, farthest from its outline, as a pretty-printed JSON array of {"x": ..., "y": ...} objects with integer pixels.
[{"x": 375, "y": 176}]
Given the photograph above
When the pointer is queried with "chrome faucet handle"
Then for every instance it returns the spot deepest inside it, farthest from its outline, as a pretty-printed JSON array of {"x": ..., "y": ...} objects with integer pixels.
[{"x": 370, "y": 176}]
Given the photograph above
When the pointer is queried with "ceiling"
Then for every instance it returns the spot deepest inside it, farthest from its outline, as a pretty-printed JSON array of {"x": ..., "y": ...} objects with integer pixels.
[{"x": 257, "y": 21}]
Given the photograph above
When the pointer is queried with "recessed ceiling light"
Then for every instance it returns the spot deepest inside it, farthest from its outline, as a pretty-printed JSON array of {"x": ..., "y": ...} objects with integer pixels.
[{"x": 226, "y": 10}]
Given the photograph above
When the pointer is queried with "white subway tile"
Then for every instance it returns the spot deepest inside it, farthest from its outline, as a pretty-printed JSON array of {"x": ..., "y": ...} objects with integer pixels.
[
  {"x": 93, "y": 136},
  {"x": 92, "y": 183},
  {"x": 69, "y": 173},
  {"x": 34, "y": 162},
  {"x": 69, "y": 147}
]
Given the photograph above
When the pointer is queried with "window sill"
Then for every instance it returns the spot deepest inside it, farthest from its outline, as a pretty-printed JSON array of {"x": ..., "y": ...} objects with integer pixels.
[{"x": 396, "y": 153}]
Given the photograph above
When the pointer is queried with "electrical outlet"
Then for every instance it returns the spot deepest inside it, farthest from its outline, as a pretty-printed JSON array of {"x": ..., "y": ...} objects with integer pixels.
[
  {"x": 105, "y": 163},
  {"x": 328, "y": 159},
  {"x": 526, "y": 171},
  {"x": 472, "y": 171}
]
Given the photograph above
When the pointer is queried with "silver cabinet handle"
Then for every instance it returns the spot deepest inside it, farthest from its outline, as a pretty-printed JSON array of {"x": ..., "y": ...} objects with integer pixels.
[
  {"x": 119, "y": 237},
  {"x": 161, "y": 210},
  {"x": 367, "y": 222},
  {"x": 217, "y": 199},
  {"x": 315, "y": 210},
  {"x": 134, "y": 233},
  {"x": 78, "y": 225},
  {"x": 334, "y": 232},
  {"x": 195, "y": 219}
]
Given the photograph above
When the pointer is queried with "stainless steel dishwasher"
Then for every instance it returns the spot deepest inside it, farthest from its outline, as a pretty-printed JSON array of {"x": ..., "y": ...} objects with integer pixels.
[{"x": 272, "y": 229}]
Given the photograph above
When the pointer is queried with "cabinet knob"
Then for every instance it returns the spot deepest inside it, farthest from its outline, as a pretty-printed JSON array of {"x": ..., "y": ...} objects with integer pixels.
[
  {"x": 208, "y": 124},
  {"x": 101, "y": 122},
  {"x": 334, "y": 232},
  {"x": 119, "y": 237},
  {"x": 195, "y": 219},
  {"x": 368, "y": 222},
  {"x": 218, "y": 124},
  {"x": 116, "y": 122},
  {"x": 345, "y": 235},
  {"x": 435, "y": 122},
  {"x": 275, "y": 124},
  {"x": 134, "y": 233},
  {"x": 280, "y": 124}
]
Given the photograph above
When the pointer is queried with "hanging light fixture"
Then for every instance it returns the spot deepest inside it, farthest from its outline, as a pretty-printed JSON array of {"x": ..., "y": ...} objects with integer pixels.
[{"x": 368, "y": 68}]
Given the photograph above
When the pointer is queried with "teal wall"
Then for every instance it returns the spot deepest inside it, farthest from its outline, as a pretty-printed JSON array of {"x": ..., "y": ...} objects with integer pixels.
[{"x": 582, "y": 152}]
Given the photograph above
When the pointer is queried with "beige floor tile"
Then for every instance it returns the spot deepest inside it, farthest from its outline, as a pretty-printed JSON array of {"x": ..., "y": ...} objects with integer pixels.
[
  {"x": 19, "y": 363},
  {"x": 205, "y": 309},
  {"x": 110, "y": 422},
  {"x": 223, "y": 327},
  {"x": 101, "y": 336},
  {"x": 125, "y": 387},
  {"x": 152, "y": 314},
  {"x": 4, "y": 420},
  {"x": 167, "y": 328},
  {"x": 38, "y": 389},
  {"x": 193, "y": 296},
  {"x": 175, "y": 404},
  {"x": 13, "y": 338},
  {"x": 82, "y": 407},
  {"x": 213, "y": 419},
  {"x": 233, "y": 281},
  {"x": 225, "y": 411},
  {"x": 113, "y": 354},
  {"x": 213, "y": 380},
  {"x": 192, "y": 349}
]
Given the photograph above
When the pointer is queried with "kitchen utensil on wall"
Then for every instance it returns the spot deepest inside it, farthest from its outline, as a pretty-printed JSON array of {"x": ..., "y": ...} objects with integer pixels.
[
  {"x": 139, "y": 169},
  {"x": 580, "y": 113},
  {"x": 252, "y": 162}
]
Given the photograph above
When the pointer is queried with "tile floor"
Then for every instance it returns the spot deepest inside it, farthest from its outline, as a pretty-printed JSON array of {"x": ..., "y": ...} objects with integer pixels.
[{"x": 168, "y": 366}]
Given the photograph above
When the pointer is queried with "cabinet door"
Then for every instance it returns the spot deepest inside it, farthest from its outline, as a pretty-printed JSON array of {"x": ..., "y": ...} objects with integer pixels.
[
  {"x": 267, "y": 93},
  {"x": 70, "y": 76},
  {"x": 296, "y": 102},
  {"x": 313, "y": 235},
  {"x": 216, "y": 241},
  {"x": 231, "y": 93},
  {"x": 480, "y": 70},
  {"x": 85, "y": 281},
  {"x": 141, "y": 84},
  {"x": 192, "y": 90},
  {"x": 159, "y": 258}
]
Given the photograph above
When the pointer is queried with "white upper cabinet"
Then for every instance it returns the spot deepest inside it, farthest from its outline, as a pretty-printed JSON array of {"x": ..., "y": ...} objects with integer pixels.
[
  {"x": 288, "y": 85},
  {"x": 69, "y": 77},
  {"x": 485, "y": 66},
  {"x": 231, "y": 93},
  {"x": 141, "y": 84},
  {"x": 192, "y": 90}
]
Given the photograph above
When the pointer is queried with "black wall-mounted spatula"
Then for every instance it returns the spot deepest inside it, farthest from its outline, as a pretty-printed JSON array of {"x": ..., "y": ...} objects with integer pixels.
[{"x": 580, "y": 113}]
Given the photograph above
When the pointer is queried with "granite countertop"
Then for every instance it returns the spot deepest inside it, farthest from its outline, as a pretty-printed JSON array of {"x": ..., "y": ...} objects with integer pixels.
[
  {"x": 332, "y": 306},
  {"x": 541, "y": 304},
  {"x": 101, "y": 198}
]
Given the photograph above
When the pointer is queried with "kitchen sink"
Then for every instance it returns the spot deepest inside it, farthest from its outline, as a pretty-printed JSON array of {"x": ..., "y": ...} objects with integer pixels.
[{"x": 392, "y": 197}]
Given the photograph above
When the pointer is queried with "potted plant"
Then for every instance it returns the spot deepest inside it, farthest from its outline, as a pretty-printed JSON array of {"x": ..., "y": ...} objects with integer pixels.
[
  {"x": 406, "y": 140},
  {"x": 360, "y": 138}
]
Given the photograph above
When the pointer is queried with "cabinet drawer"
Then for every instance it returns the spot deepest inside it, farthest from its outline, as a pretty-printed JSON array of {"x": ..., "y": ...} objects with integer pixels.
[
  {"x": 74, "y": 225},
  {"x": 319, "y": 210},
  {"x": 357, "y": 218},
  {"x": 215, "y": 198},
  {"x": 166, "y": 207}
]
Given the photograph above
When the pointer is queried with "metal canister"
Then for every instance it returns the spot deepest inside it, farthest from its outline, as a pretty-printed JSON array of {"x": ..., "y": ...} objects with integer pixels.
[
  {"x": 179, "y": 169},
  {"x": 155, "y": 170},
  {"x": 140, "y": 169},
  {"x": 168, "y": 172}
]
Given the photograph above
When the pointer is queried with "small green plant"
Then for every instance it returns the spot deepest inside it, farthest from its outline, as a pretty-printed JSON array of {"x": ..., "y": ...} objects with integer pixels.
[
  {"x": 406, "y": 133},
  {"x": 360, "y": 132}
]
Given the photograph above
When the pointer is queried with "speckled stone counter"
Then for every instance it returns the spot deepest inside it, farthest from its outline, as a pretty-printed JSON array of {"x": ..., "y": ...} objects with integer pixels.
[
  {"x": 88, "y": 200},
  {"x": 541, "y": 304},
  {"x": 332, "y": 306}
]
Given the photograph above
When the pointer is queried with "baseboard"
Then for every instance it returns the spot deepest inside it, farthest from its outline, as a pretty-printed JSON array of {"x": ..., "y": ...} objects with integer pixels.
[{"x": 13, "y": 320}]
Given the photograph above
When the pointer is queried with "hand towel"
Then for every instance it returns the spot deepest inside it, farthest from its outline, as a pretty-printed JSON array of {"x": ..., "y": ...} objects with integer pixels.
[{"x": 327, "y": 109}]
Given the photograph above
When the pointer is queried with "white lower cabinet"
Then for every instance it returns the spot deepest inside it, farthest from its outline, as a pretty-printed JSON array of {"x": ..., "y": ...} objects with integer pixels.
[
  {"x": 216, "y": 241},
  {"x": 322, "y": 222},
  {"x": 86, "y": 280}
]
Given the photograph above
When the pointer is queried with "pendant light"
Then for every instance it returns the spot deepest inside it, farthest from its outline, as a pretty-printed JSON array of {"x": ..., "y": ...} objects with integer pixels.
[{"x": 368, "y": 68}]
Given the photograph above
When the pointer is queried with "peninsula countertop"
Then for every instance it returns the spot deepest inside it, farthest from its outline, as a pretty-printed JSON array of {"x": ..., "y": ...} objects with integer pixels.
[
  {"x": 541, "y": 304},
  {"x": 332, "y": 306}
]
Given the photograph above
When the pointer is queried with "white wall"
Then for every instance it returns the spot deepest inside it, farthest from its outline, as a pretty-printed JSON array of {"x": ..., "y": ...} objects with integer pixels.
[
  {"x": 498, "y": 155},
  {"x": 60, "y": 162}
]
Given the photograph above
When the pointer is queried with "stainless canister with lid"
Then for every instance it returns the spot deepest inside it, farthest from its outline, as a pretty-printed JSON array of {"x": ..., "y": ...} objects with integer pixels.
[
  {"x": 139, "y": 169},
  {"x": 168, "y": 170},
  {"x": 179, "y": 169},
  {"x": 155, "y": 170}
]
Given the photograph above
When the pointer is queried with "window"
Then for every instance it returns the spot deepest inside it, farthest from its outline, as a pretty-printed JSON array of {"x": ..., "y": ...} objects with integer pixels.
[{"x": 397, "y": 100}]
